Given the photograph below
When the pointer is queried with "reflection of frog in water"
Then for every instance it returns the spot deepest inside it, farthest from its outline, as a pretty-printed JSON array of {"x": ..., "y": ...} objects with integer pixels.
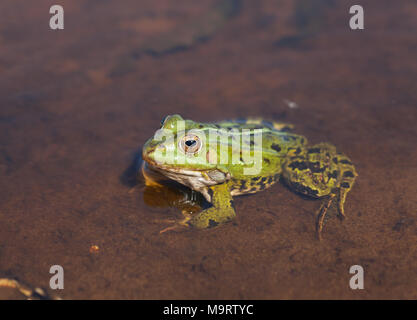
[
  {"x": 317, "y": 171},
  {"x": 161, "y": 192}
]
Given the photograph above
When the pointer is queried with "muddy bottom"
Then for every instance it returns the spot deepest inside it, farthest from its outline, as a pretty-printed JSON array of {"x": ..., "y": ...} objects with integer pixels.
[{"x": 76, "y": 106}]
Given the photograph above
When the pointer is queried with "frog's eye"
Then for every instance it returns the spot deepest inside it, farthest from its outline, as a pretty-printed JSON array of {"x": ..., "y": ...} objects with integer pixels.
[{"x": 190, "y": 144}]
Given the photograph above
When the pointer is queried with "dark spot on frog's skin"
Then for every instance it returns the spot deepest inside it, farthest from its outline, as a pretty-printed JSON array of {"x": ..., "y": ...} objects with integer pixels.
[
  {"x": 276, "y": 147},
  {"x": 243, "y": 185},
  {"x": 348, "y": 174},
  {"x": 300, "y": 165},
  {"x": 254, "y": 179},
  {"x": 298, "y": 150},
  {"x": 335, "y": 160},
  {"x": 313, "y": 150},
  {"x": 345, "y": 185},
  {"x": 315, "y": 167},
  {"x": 333, "y": 175},
  {"x": 252, "y": 142},
  {"x": 344, "y": 161},
  {"x": 270, "y": 180},
  {"x": 304, "y": 189},
  {"x": 232, "y": 204},
  {"x": 286, "y": 129},
  {"x": 267, "y": 123},
  {"x": 266, "y": 160},
  {"x": 259, "y": 126},
  {"x": 212, "y": 223},
  {"x": 261, "y": 183},
  {"x": 253, "y": 189},
  {"x": 241, "y": 159}
]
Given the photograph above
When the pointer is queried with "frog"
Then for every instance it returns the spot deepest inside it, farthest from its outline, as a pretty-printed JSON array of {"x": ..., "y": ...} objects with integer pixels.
[{"x": 225, "y": 159}]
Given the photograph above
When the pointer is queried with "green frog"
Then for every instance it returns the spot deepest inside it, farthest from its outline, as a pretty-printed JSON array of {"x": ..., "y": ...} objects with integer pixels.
[{"x": 231, "y": 158}]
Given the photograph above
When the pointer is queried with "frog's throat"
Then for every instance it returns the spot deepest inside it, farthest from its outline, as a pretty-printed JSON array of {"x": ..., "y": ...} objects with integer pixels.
[{"x": 194, "y": 179}]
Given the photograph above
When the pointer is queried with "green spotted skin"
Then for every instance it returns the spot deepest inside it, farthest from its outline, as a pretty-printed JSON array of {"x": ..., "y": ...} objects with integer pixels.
[{"x": 317, "y": 171}]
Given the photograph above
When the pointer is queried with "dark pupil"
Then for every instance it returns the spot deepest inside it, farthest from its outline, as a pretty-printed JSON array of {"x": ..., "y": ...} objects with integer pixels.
[{"x": 190, "y": 143}]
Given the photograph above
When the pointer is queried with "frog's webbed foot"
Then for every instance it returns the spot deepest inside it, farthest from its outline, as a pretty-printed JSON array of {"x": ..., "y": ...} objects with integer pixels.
[
  {"x": 321, "y": 172},
  {"x": 176, "y": 224},
  {"x": 221, "y": 211},
  {"x": 322, "y": 215}
]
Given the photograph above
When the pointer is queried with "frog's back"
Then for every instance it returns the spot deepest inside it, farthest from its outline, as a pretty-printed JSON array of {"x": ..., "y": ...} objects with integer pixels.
[
  {"x": 254, "y": 123},
  {"x": 277, "y": 143}
]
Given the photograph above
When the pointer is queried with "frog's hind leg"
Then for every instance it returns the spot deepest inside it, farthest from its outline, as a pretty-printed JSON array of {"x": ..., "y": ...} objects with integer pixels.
[
  {"x": 348, "y": 175},
  {"x": 320, "y": 172}
]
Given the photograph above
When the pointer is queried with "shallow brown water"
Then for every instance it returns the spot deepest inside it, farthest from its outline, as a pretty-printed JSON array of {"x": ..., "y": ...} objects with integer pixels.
[{"x": 77, "y": 105}]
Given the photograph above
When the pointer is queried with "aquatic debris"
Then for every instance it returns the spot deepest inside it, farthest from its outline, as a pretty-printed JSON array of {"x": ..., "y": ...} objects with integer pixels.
[
  {"x": 291, "y": 104},
  {"x": 94, "y": 249}
]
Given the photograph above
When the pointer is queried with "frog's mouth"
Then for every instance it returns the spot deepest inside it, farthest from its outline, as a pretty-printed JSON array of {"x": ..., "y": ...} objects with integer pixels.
[
  {"x": 161, "y": 167},
  {"x": 153, "y": 165},
  {"x": 193, "y": 179}
]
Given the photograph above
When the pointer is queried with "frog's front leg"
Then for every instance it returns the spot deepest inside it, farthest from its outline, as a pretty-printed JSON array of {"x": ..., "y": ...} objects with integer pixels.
[
  {"x": 321, "y": 172},
  {"x": 221, "y": 211}
]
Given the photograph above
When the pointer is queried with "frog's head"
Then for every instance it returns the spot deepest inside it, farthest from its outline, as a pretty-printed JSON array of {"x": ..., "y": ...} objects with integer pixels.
[{"x": 180, "y": 150}]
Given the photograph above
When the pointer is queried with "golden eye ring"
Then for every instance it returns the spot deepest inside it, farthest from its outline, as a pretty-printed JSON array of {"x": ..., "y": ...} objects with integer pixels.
[{"x": 190, "y": 144}]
